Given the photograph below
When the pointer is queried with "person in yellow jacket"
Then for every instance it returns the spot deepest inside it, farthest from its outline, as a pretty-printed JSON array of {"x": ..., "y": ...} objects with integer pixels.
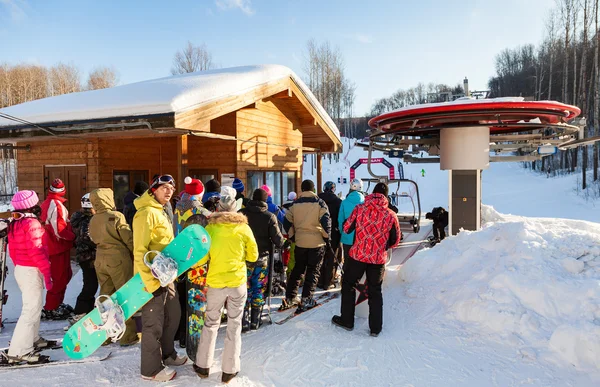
[
  {"x": 109, "y": 230},
  {"x": 153, "y": 230},
  {"x": 232, "y": 245}
]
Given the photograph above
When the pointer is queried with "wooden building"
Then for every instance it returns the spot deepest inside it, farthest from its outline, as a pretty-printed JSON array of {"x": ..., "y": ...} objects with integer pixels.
[{"x": 253, "y": 122}]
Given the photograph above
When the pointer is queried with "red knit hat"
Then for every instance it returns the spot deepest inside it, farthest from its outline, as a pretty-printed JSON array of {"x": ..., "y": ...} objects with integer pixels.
[
  {"x": 193, "y": 186},
  {"x": 57, "y": 187}
]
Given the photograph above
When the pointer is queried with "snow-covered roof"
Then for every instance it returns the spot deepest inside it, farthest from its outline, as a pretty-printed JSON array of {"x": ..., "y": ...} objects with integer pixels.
[{"x": 165, "y": 95}]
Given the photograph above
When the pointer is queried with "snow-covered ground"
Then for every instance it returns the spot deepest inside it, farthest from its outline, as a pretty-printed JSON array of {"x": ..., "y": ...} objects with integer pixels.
[{"x": 517, "y": 303}]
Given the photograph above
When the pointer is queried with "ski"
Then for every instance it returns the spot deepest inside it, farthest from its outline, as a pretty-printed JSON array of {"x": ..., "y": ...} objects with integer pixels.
[
  {"x": 47, "y": 362},
  {"x": 320, "y": 296},
  {"x": 295, "y": 314}
]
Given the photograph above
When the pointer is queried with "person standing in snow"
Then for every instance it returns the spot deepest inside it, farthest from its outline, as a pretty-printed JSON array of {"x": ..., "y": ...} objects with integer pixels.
[
  {"x": 85, "y": 254},
  {"x": 32, "y": 270},
  {"x": 238, "y": 185},
  {"x": 334, "y": 251},
  {"x": 266, "y": 232},
  {"x": 308, "y": 223},
  {"x": 377, "y": 230},
  {"x": 58, "y": 238},
  {"x": 129, "y": 209},
  {"x": 232, "y": 245},
  {"x": 273, "y": 208},
  {"x": 153, "y": 230},
  {"x": 114, "y": 240},
  {"x": 354, "y": 198}
]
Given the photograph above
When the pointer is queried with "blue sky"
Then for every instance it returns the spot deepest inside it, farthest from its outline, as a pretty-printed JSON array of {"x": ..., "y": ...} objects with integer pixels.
[{"x": 386, "y": 44}]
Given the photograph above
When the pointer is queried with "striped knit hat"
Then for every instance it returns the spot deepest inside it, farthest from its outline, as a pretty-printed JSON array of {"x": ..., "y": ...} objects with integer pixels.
[{"x": 57, "y": 187}]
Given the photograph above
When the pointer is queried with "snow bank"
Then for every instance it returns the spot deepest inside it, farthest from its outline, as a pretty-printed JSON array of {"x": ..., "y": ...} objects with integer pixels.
[{"x": 531, "y": 282}]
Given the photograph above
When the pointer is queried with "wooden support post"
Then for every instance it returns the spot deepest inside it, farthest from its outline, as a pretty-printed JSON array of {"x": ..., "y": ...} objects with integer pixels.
[
  {"x": 182, "y": 160},
  {"x": 319, "y": 173}
]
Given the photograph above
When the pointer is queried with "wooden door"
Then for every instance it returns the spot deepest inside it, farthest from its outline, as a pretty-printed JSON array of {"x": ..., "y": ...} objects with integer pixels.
[{"x": 74, "y": 178}]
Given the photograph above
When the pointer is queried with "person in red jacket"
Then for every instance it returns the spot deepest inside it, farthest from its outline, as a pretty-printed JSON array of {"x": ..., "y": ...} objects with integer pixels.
[
  {"x": 377, "y": 230},
  {"x": 58, "y": 238},
  {"x": 32, "y": 270}
]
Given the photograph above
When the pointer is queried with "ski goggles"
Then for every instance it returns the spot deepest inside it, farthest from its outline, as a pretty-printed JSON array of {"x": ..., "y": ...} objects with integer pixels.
[
  {"x": 21, "y": 215},
  {"x": 163, "y": 179}
]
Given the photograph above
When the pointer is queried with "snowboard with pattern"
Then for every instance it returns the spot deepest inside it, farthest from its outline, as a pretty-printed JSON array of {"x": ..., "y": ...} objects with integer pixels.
[
  {"x": 86, "y": 335},
  {"x": 196, "y": 308}
]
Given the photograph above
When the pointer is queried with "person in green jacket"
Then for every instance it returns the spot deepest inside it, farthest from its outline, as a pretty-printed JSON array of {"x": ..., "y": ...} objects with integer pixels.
[
  {"x": 114, "y": 250},
  {"x": 354, "y": 198},
  {"x": 153, "y": 230},
  {"x": 232, "y": 245}
]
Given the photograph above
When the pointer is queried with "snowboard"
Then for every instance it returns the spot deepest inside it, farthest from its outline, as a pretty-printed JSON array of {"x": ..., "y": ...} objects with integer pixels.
[
  {"x": 86, "y": 335},
  {"x": 196, "y": 308}
]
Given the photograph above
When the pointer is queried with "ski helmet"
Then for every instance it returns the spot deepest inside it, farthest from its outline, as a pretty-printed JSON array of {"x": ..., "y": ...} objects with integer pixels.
[
  {"x": 85, "y": 201},
  {"x": 356, "y": 185}
]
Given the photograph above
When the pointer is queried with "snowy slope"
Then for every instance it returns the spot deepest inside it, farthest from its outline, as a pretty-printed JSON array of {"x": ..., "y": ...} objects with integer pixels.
[{"x": 513, "y": 304}]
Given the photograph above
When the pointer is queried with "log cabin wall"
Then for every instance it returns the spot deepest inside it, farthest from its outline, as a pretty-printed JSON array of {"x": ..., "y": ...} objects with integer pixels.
[{"x": 266, "y": 123}]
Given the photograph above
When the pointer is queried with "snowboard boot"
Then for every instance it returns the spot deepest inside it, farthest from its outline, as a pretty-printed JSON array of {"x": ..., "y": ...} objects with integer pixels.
[
  {"x": 246, "y": 319},
  {"x": 41, "y": 344},
  {"x": 201, "y": 372},
  {"x": 337, "y": 320},
  {"x": 255, "y": 317},
  {"x": 306, "y": 304},
  {"x": 226, "y": 378},
  {"x": 32, "y": 357},
  {"x": 164, "y": 375}
]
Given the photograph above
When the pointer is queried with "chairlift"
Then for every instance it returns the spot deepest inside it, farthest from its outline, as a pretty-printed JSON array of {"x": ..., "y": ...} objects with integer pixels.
[{"x": 409, "y": 222}]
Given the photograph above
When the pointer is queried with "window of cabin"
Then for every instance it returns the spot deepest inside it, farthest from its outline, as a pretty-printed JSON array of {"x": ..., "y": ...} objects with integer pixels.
[
  {"x": 280, "y": 182},
  {"x": 123, "y": 182}
]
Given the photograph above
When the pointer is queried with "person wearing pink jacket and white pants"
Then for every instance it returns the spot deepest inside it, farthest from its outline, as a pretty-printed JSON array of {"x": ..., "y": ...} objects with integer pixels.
[{"x": 32, "y": 270}]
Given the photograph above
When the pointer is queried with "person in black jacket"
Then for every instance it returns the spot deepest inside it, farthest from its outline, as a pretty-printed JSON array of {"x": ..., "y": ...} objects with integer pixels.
[
  {"x": 266, "y": 232},
  {"x": 129, "y": 210},
  {"x": 440, "y": 221},
  {"x": 333, "y": 252},
  {"x": 85, "y": 255}
]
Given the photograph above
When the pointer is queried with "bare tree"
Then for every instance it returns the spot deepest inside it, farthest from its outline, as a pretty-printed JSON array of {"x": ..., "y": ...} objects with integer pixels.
[
  {"x": 102, "y": 78},
  {"x": 566, "y": 11},
  {"x": 64, "y": 79},
  {"x": 192, "y": 58}
]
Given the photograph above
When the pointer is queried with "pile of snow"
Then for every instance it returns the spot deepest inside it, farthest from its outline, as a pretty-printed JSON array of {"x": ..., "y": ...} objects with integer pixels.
[{"x": 532, "y": 283}]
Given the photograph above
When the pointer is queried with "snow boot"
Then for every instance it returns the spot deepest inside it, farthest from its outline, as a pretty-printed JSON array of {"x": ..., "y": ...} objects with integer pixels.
[
  {"x": 226, "y": 378},
  {"x": 201, "y": 372},
  {"x": 246, "y": 319},
  {"x": 177, "y": 361},
  {"x": 164, "y": 375},
  {"x": 255, "y": 317},
  {"x": 337, "y": 320}
]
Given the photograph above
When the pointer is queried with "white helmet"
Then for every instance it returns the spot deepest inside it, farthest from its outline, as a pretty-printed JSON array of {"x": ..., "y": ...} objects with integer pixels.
[
  {"x": 356, "y": 185},
  {"x": 85, "y": 201}
]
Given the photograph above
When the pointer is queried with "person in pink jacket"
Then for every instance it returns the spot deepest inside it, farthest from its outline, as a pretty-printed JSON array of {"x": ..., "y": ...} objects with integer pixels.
[{"x": 32, "y": 270}]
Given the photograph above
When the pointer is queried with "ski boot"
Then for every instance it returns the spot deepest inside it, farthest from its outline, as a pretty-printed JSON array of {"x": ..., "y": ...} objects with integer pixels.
[
  {"x": 255, "y": 317},
  {"x": 306, "y": 304},
  {"x": 287, "y": 303},
  {"x": 246, "y": 319}
]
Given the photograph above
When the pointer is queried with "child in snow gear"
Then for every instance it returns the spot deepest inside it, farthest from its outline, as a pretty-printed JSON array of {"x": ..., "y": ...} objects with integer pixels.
[
  {"x": 32, "y": 271},
  {"x": 354, "y": 198},
  {"x": 307, "y": 223},
  {"x": 129, "y": 209},
  {"x": 238, "y": 186},
  {"x": 114, "y": 240},
  {"x": 232, "y": 245},
  {"x": 58, "y": 238},
  {"x": 273, "y": 208},
  {"x": 440, "y": 221},
  {"x": 333, "y": 252},
  {"x": 153, "y": 230},
  {"x": 85, "y": 256},
  {"x": 266, "y": 232},
  {"x": 377, "y": 230}
]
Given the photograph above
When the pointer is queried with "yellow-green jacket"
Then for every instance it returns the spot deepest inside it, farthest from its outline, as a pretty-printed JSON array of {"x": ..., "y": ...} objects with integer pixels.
[
  {"x": 232, "y": 244},
  {"x": 152, "y": 230}
]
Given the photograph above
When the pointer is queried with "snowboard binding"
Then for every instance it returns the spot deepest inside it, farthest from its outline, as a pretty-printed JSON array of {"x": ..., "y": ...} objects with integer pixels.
[
  {"x": 163, "y": 268},
  {"x": 113, "y": 318}
]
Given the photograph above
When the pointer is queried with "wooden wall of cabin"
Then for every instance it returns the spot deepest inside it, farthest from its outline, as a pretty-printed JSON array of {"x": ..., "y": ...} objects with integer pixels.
[{"x": 266, "y": 123}]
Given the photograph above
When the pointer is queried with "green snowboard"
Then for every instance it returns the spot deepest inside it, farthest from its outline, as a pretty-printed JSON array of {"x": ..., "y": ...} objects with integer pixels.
[{"x": 85, "y": 336}]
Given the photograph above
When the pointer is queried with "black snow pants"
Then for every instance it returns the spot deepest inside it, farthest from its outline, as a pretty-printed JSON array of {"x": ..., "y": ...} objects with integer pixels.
[
  {"x": 87, "y": 297},
  {"x": 308, "y": 260}
]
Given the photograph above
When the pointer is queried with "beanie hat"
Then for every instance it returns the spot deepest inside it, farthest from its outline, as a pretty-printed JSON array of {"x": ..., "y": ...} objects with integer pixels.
[
  {"x": 267, "y": 189},
  {"x": 260, "y": 194},
  {"x": 292, "y": 196},
  {"x": 57, "y": 187},
  {"x": 212, "y": 186},
  {"x": 329, "y": 186},
  {"x": 307, "y": 185},
  {"x": 193, "y": 186},
  {"x": 24, "y": 200},
  {"x": 238, "y": 185},
  {"x": 227, "y": 202},
  {"x": 140, "y": 188},
  {"x": 381, "y": 188}
]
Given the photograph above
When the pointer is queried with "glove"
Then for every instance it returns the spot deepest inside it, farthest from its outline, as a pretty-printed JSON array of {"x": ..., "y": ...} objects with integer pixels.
[
  {"x": 49, "y": 283},
  {"x": 287, "y": 245}
]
